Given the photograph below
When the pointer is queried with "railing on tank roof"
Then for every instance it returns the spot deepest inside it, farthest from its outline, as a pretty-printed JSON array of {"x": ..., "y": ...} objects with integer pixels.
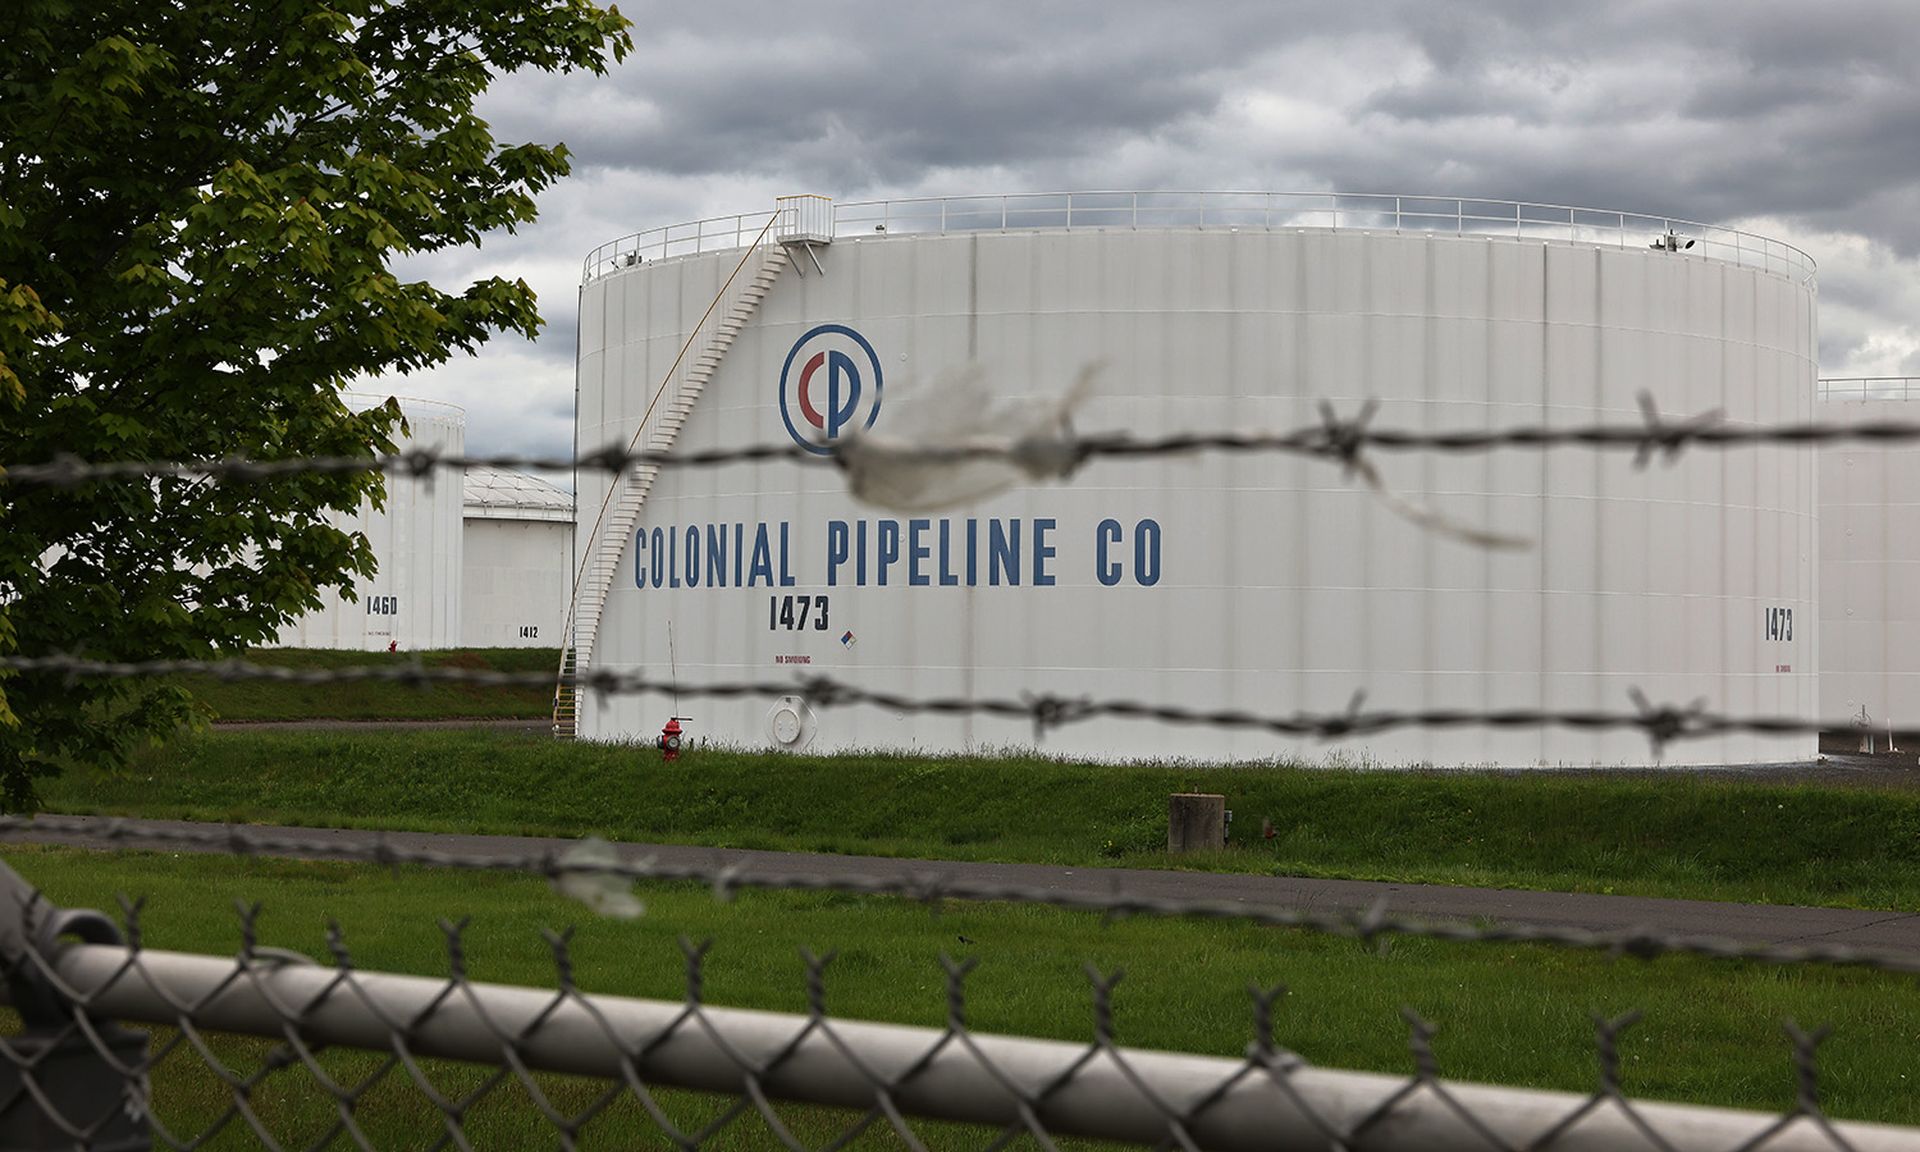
[
  {"x": 805, "y": 218},
  {"x": 718, "y": 234},
  {"x": 1870, "y": 388},
  {"x": 1337, "y": 211}
]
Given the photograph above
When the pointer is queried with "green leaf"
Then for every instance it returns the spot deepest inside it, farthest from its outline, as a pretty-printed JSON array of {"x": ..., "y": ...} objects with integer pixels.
[{"x": 200, "y": 204}]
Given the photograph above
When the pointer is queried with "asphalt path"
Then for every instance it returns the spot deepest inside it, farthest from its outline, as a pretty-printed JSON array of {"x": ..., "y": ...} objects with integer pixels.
[{"x": 1892, "y": 931}]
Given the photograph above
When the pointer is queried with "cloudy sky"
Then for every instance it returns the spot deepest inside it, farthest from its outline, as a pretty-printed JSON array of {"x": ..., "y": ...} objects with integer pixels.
[{"x": 1797, "y": 119}]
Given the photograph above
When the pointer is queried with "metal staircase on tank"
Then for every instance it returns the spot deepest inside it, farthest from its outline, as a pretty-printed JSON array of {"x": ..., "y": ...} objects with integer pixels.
[{"x": 792, "y": 225}]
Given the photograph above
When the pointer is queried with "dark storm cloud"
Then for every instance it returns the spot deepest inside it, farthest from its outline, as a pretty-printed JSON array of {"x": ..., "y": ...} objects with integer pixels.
[
  {"x": 1716, "y": 108},
  {"x": 854, "y": 93},
  {"x": 1803, "y": 115},
  {"x": 1708, "y": 110}
]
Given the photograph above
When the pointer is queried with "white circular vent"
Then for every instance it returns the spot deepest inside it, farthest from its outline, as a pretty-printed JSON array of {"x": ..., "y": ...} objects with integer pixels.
[{"x": 791, "y": 724}]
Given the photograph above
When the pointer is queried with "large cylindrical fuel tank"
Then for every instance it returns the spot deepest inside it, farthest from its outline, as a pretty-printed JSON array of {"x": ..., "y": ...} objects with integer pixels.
[
  {"x": 517, "y": 557},
  {"x": 1268, "y": 582},
  {"x": 413, "y": 601},
  {"x": 1870, "y": 560}
]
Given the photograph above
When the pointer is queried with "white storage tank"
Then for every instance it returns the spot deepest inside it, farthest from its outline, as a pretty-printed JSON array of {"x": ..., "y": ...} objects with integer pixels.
[
  {"x": 1266, "y": 583},
  {"x": 1870, "y": 560},
  {"x": 517, "y": 571},
  {"x": 412, "y": 601}
]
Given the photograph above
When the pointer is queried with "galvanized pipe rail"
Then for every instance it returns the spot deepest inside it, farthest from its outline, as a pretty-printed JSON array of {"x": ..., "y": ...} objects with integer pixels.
[{"x": 1265, "y": 1101}]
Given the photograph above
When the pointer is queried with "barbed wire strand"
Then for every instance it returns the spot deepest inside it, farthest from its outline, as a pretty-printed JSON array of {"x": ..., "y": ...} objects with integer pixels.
[
  {"x": 925, "y": 883},
  {"x": 1662, "y": 724},
  {"x": 1335, "y": 438}
]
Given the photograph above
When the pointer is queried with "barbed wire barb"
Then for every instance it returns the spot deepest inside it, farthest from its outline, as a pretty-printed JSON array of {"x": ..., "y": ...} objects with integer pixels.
[{"x": 1669, "y": 439}]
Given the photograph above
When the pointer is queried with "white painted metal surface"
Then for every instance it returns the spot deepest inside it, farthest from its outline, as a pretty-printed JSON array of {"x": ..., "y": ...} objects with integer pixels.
[
  {"x": 1264, "y": 583},
  {"x": 413, "y": 601},
  {"x": 516, "y": 568},
  {"x": 1870, "y": 560}
]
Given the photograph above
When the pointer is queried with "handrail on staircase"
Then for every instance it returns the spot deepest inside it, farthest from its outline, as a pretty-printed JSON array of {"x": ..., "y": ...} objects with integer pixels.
[{"x": 564, "y": 680}]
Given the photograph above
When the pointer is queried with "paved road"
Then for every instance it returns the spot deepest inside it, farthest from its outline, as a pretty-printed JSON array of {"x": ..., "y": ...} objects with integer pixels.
[{"x": 1748, "y": 923}]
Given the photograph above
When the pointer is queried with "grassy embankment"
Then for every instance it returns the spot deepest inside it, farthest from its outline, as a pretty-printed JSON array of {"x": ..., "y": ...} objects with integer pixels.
[
  {"x": 254, "y": 700},
  {"x": 1507, "y": 1014},
  {"x": 1680, "y": 835}
]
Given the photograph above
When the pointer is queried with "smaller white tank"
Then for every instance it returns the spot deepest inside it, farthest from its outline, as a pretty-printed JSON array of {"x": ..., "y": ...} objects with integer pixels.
[
  {"x": 1870, "y": 560},
  {"x": 412, "y": 601},
  {"x": 517, "y": 573}
]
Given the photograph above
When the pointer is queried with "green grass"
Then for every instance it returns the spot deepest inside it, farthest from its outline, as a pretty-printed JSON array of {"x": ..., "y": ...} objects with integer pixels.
[
  {"x": 254, "y": 700},
  {"x": 1679, "y": 835},
  {"x": 1507, "y": 1014}
]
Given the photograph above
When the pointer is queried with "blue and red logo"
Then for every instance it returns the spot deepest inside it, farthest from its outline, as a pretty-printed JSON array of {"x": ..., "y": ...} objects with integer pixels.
[{"x": 829, "y": 387}]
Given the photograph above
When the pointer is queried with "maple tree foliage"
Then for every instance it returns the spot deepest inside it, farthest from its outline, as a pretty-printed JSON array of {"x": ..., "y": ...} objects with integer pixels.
[{"x": 200, "y": 207}]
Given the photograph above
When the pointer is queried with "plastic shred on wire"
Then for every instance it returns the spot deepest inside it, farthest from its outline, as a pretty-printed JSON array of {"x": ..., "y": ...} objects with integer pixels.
[
  {"x": 953, "y": 442},
  {"x": 583, "y": 873}
]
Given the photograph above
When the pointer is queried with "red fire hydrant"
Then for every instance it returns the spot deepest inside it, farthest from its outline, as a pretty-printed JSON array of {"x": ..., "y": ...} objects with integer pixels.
[{"x": 669, "y": 741}]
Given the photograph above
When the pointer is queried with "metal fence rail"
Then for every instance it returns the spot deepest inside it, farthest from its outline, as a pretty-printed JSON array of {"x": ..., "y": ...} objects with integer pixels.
[{"x": 75, "y": 1079}]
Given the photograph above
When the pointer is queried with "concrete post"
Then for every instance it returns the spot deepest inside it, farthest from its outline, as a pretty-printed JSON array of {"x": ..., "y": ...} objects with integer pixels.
[{"x": 1196, "y": 822}]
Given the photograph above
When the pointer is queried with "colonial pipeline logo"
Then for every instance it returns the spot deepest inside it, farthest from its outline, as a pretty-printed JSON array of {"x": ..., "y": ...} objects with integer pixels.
[{"x": 829, "y": 387}]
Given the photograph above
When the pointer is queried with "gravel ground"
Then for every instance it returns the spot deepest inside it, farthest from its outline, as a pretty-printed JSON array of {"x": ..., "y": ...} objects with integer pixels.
[{"x": 1845, "y": 769}]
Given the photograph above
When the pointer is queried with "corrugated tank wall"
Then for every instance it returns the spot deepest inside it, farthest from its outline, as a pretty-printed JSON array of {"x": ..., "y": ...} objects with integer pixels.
[
  {"x": 514, "y": 592},
  {"x": 414, "y": 598},
  {"x": 1870, "y": 571},
  {"x": 1278, "y": 585}
]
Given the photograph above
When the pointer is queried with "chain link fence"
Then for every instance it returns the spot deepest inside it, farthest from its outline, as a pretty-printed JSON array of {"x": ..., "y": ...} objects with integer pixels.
[{"x": 391, "y": 1060}]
